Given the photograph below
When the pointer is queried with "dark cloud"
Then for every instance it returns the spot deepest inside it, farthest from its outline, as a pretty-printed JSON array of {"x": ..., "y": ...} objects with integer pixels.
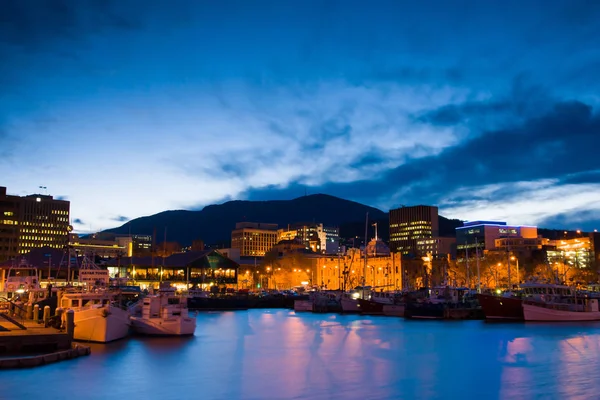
[
  {"x": 62, "y": 198},
  {"x": 562, "y": 142},
  {"x": 582, "y": 177},
  {"x": 121, "y": 218},
  {"x": 78, "y": 221},
  {"x": 584, "y": 220},
  {"x": 31, "y": 23}
]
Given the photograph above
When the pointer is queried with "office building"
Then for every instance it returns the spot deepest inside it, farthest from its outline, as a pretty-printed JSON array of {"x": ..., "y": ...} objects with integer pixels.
[
  {"x": 254, "y": 239},
  {"x": 312, "y": 235},
  {"x": 32, "y": 221},
  {"x": 332, "y": 240},
  {"x": 576, "y": 253},
  {"x": 410, "y": 224},
  {"x": 438, "y": 247},
  {"x": 486, "y": 234}
]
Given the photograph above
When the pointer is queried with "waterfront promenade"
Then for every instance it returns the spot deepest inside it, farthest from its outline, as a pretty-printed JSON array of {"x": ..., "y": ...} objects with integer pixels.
[{"x": 277, "y": 354}]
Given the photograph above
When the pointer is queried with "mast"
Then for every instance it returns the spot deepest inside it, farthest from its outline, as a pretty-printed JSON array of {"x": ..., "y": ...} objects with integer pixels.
[
  {"x": 365, "y": 266},
  {"x": 508, "y": 256},
  {"x": 477, "y": 258},
  {"x": 467, "y": 266}
]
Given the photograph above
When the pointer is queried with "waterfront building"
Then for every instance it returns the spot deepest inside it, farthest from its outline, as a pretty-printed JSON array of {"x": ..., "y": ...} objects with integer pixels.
[
  {"x": 94, "y": 247},
  {"x": 202, "y": 269},
  {"x": 484, "y": 235},
  {"x": 31, "y": 221},
  {"x": 410, "y": 224},
  {"x": 383, "y": 269},
  {"x": 438, "y": 247},
  {"x": 254, "y": 239}
]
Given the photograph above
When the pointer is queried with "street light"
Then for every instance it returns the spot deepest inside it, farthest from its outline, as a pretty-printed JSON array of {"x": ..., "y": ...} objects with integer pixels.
[{"x": 518, "y": 276}]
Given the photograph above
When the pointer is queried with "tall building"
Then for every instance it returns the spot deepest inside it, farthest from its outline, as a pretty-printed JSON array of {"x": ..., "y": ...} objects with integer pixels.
[
  {"x": 332, "y": 237},
  {"x": 254, "y": 238},
  {"x": 409, "y": 224},
  {"x": 32, "y": 221}
]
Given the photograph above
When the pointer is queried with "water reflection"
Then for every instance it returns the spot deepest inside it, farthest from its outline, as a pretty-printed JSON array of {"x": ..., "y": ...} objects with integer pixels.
[{"x": 277, "y": 354}]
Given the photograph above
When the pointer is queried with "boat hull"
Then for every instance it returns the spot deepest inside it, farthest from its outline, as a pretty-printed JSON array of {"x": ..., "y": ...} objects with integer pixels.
[
  {"x": 350, "y": 306},
  {"x": 393, "y": 310},
  {"x": 303, "y": 305},
  {"x": 539, "y": 313},
  {"x": 176, "y": 326},
  {"x": 218, "y": 303},
  {"x": 501, "y": 308},
  {"x": 368, "y": 307},
  {"x": 424, "y": 311},
  {"x": 101, "y": 325}
]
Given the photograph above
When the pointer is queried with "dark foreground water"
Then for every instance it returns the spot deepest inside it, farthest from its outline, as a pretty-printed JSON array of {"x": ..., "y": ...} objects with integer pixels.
[{"x": 277, "y": 354}]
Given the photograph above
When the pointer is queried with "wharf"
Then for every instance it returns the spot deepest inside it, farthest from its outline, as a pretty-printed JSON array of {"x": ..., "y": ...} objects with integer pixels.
[{"x": 35, "y": 338}]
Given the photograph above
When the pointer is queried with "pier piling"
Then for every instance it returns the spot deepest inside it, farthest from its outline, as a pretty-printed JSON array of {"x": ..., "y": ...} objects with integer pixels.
[
  {"x": 36, "y": 313},
  {"x": 70, "y": 323},
  {"x": 29, "y": 311},
  {"x": 46, "y": 315}
]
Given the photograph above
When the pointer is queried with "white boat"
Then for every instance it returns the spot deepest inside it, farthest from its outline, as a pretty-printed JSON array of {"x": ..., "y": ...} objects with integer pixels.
[
  {"x": 303, "y": 305},
  {"x": 583, "y": 309},
  {"x": 97, "y": 318},
  {"x": 164, "y": 314}
]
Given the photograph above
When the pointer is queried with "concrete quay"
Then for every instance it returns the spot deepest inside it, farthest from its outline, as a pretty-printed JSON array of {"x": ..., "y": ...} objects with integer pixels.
[{"x": 77, "y": 350}]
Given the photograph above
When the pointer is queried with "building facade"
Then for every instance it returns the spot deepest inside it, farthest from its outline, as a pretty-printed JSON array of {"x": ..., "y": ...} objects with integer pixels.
[
  {"x": 484, "y": 235},
  {"x": 32, "y": 221},
  {"x": 93, "y": 247},
  {"x": 313, "y": 236},
  {"x": 254, "y": 239},
  {"x": 410, "y": 224},
  {"x": 575, "y": 253},
  {"x": 332, "y": 238},
  {"x": 438, "y": 247}
]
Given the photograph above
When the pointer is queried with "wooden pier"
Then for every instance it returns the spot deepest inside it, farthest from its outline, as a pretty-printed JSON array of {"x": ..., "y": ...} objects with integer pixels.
[
  {"x": 34, "y": 339},
  {"x": 28, "y": 343}
]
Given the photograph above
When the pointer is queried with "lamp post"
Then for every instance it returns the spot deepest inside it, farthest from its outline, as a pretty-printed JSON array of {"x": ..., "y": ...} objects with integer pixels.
[{"x": 518, "y": 275}]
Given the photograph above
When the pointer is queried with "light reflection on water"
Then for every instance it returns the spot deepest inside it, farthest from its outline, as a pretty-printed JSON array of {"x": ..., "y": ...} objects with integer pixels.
[{"x": 277, "y": 354}]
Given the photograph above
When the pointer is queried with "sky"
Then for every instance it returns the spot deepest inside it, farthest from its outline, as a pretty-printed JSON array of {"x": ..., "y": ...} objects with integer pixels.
[{"x": 489, "y": 110}]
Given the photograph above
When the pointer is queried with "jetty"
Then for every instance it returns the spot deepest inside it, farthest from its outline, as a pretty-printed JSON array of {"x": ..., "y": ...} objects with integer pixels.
[{"x": 28, "y": 341}]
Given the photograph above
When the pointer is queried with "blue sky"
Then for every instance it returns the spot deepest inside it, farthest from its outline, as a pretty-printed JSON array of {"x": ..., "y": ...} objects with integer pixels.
[{"x": 489, "y": 110}]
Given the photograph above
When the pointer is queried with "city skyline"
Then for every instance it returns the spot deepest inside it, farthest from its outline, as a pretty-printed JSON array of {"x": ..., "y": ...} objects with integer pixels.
[{"x": 488, "y": 111}]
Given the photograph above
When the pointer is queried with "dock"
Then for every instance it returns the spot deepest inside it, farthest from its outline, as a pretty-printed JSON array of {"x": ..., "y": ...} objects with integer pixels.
[
  {"x": 27, "y": 343},
  {"x": 34, "y": 338}
]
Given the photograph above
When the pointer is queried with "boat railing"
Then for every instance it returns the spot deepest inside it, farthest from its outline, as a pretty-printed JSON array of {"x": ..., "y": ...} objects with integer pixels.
[{"x": 557, "y": 306}]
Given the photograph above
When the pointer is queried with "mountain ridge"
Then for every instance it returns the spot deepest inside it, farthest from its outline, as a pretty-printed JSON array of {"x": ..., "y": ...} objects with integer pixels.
[{"x": 214, "y": 223}]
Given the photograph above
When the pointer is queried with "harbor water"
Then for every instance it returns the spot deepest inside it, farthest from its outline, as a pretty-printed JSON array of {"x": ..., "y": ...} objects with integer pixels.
[{"x": 278, "y": 354}]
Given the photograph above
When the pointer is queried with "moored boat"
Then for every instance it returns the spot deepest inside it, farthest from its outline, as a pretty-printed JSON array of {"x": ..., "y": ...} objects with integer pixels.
[
  {"x": 579, "y": 310},
  {"x": 97, "y": 317},
  {"x": 501, "y": 307},
  {"x": 164, "y": 314}
]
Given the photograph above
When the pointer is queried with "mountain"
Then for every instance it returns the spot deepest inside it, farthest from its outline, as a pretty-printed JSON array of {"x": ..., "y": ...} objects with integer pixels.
[{"x": 214, "y": 223}]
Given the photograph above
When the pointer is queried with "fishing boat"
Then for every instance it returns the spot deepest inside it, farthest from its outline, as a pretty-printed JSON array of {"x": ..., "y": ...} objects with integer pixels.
[
  {"x": 98, "y": 318},
  {"x": 583, "y": 309},
  {"x": 163, "y": 314},
  {"x": 375, "y": 303},
  {"x": 507, "y": 307}
]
